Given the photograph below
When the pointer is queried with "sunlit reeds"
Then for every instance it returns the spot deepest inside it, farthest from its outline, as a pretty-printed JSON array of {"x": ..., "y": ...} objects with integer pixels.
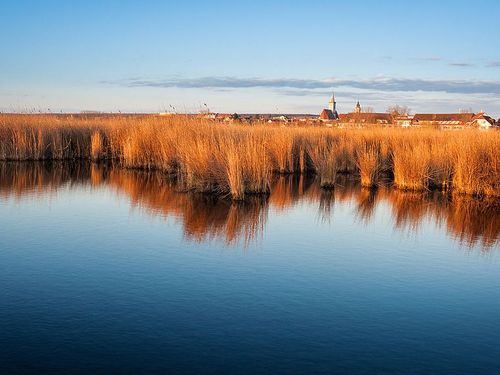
[
  {"x": 369, "y": 162},
  {"x": 239, "y": 160},
  {"x": 324, "y": 152}
]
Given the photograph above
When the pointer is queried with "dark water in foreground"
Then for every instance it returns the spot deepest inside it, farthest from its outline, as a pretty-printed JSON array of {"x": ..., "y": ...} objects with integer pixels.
[{"x": 104, "y": 271}]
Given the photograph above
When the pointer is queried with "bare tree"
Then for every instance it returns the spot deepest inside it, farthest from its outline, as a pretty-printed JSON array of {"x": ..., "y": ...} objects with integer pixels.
[
  {"x": 465, "y": 110},
  {"x": 367, "y": 109},
  {"x": 398, "y": 110}
]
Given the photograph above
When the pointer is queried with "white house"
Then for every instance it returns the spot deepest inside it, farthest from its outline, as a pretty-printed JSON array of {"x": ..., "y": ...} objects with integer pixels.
[{"x": 483, "y": 121}]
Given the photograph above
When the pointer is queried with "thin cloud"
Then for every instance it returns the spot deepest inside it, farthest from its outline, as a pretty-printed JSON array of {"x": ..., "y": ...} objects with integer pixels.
[
  {"x": 462, "y": 64},
  {"x": 427, "y": 59},
  {"x": 379, "y": 83},
  {"x": 493, "y": 64}
]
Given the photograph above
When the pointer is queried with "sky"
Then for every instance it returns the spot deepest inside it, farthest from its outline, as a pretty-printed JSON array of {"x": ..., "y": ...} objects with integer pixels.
[{"x": 249, "y": 56}]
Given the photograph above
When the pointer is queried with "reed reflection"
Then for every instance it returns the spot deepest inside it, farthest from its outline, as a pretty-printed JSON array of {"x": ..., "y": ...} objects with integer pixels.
[
  {"x": 471, "y": 222},
  {"x": 203, "y": 216},
  {"x": 366, "y": 200},
  {"x": 27, "y": 178}
]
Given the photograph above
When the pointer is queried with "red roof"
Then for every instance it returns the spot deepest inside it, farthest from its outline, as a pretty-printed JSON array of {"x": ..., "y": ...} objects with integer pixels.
[
  {"x": 444, "y": 117},
  {"x": 367, "y": 117},
  {"x": 327, "y": 114}
]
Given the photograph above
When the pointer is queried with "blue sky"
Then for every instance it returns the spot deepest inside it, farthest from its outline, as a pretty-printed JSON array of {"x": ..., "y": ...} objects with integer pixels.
[{"x": 249, "y": 56}]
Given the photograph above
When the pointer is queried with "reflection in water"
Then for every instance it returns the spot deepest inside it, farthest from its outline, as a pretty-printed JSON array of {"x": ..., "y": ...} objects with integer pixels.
[
  {"x": 20, "y": 179},
  {"x": 203, "y": 216},
  {"x": 365, "y": 203},
  {"x": 470, "y": 221}
]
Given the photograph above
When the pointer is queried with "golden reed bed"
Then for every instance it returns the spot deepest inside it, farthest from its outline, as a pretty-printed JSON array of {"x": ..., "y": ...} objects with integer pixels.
[{"x": 240, "y": 160}]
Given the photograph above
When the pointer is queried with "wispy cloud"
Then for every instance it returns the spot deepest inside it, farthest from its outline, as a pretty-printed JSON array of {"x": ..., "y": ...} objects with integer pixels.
[
  {"x": 493, "y": 64},
  {"x": 386, "y": 84},
  {"x": 427, "y": 59},
  {"x": 462, "y": 64},
  {"x": 436, "y": 59}
]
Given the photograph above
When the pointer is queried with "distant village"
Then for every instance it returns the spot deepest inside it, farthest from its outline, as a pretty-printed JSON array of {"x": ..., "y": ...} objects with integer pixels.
[
  {"x": 395, "y": 117},
  {"x": 399, "y": 116}
]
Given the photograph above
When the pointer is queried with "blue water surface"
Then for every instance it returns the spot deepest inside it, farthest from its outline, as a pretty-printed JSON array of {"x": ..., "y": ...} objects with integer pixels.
[{"x": 97, "y": 277}]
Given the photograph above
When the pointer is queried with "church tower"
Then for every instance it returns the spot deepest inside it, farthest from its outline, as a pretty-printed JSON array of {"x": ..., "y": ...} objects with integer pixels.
[
  {"x": 358, "y": 108},
  {"x": 332, "y": 105}
]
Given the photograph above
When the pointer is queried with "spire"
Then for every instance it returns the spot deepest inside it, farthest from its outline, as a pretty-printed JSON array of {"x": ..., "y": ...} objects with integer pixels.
[
  {"x": 358, "y": 107},
  {"x": 331, "y": 104}
]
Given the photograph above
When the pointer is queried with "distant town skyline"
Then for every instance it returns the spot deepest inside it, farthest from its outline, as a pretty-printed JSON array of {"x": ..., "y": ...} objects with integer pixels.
[{"x": 259, "y": 57}]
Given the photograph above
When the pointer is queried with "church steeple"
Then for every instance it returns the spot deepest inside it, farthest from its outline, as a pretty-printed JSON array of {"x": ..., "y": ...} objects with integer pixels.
[
  {"x": 332, "y": 105},
  {"x": 358, "y": 108}
]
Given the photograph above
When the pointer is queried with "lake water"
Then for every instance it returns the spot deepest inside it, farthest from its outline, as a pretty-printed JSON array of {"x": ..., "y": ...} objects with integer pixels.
[{"x": 104, "y": 270}]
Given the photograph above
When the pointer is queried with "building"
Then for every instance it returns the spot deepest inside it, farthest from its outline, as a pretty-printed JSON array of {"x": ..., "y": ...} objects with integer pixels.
[
  {"x": 483, "y": 121},
  {"x": 332, "y": 105},
  {"x": 403, "y": 120},
  {"x": 330, "y": 113},
  {"x": 454, "y": 120},
  {"x": 359, "y": 118},
  {"x": 443, "y": 120},
  {"x": 366, "y": 118},
  {"x": 357, "y": 109},
  {"x": 279, "y": 118},
  {"x": 327, "y": 114}
]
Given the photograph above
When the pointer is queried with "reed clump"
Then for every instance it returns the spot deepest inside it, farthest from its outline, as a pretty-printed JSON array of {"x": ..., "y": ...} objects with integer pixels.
[
  {"x": 476, "y": 166},
  {"x": 411, "y": 165},
  {"x": 324, "y": 153},
  {"x": 369, "y": 162},
  {"x": 240, "y": 160}
]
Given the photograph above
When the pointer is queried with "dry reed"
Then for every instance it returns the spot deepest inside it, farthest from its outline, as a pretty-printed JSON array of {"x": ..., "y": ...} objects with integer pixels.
[
  {"x": 369, "y": 162},
  {"x": 239, "y": 160}
]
